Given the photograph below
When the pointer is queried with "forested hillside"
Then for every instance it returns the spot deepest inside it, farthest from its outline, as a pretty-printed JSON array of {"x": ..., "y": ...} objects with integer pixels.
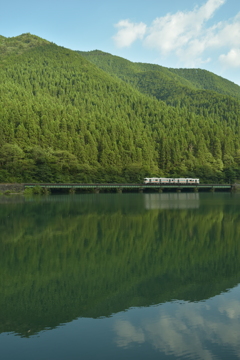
[{"x": 64, "y": 119}]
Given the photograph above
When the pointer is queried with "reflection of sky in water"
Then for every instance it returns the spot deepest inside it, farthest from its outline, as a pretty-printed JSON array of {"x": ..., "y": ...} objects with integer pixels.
[
  {"x": 206, "y": 330},
  {"x": 194, "y": 330}
]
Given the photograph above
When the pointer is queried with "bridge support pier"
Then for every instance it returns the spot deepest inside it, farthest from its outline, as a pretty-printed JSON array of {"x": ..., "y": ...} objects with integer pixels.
[{"x": 212, "y": 189}]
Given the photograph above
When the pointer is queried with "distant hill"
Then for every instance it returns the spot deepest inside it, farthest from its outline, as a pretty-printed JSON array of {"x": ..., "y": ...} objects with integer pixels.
[
  {"x": 206, "y": 80},
  {"x": 63, "y": 119},
  {"x": 160, "y": 81}
]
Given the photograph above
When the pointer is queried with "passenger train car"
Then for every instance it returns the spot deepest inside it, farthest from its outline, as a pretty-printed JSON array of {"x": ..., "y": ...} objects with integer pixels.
[{"x": 170, "y": 181}]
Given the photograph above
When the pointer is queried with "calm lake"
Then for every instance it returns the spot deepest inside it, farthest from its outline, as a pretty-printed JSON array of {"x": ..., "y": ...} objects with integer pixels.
[{"x": 120, "y": 276}]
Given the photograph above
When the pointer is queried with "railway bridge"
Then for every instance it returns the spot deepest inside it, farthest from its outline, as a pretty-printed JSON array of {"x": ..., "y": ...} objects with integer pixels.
[{"x": 115, "y": 187}]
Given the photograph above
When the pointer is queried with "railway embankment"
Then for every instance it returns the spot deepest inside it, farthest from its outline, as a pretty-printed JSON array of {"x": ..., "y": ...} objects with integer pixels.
[{"x": 11, "y": 188}]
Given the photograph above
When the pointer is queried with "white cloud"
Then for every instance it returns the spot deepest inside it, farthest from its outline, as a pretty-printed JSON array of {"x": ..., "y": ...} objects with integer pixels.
[
  {"x": 128, "y": 33},
  {"x": 186, "y": 36},
  {"x": 231, "y": 59},
  {"x": 175, "y": 31},
  {"x": 224, "y": 33},
  {"x": 206, "y": 11}
]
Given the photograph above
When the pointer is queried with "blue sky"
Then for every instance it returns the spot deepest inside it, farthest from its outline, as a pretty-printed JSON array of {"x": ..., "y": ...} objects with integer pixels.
[{"x": 174, "y": 33}]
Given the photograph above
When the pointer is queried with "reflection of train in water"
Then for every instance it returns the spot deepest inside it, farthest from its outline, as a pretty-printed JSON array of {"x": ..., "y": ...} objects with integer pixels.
[
  {"x": 171, "y": 201},
  {"x": 156, "y": 180}
]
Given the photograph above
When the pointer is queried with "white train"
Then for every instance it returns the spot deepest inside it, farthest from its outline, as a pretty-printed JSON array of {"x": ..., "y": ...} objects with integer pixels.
[{"x": 170, "y": 181}]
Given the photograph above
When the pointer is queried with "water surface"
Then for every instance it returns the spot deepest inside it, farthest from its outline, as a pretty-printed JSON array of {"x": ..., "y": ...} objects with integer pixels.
[{"x": 120, "y": 276}]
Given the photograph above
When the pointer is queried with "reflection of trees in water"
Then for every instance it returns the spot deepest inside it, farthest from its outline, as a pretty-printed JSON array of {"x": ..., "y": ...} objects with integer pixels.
[{"x": 81, "y": 258}]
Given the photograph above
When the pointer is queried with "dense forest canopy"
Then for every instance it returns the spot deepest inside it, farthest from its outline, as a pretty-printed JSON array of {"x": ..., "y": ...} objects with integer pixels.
[{"x": 64, "y": 118}]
